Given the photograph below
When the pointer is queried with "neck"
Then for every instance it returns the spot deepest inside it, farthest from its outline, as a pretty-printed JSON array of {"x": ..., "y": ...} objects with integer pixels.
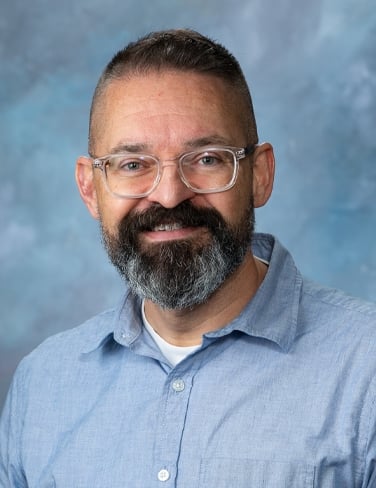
[{"x": 186, "y": 327}]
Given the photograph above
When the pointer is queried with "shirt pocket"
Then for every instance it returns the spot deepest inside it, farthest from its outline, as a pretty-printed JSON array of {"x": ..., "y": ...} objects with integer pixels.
[{"x": 251, "y": 473}]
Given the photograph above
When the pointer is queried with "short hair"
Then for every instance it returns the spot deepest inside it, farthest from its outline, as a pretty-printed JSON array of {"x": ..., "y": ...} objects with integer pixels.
[{"x": 181, "y": 50}]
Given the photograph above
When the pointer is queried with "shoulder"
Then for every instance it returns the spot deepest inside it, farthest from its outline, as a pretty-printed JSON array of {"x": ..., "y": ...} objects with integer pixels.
[
  {"x": 337, "y": 301},
  {"x": 336, "y": 314},
  {"x": 82, "y": 336},
  {"x": 66, "y": 347}
]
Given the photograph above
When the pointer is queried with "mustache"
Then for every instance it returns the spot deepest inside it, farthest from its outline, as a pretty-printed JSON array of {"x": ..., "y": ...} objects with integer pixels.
[{"x": 184, "y": 214}]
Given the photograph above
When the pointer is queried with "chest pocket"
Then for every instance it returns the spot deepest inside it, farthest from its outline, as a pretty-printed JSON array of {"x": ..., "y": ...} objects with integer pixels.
[{"x": 250, "y": 473}]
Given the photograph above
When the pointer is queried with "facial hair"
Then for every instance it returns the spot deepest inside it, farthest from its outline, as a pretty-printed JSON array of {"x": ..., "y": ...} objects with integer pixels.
[{"x": 183, "y": 273}]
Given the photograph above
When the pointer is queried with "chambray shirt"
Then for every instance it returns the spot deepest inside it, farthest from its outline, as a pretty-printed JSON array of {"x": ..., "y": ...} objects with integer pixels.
[{"x": 282, "y": 397}]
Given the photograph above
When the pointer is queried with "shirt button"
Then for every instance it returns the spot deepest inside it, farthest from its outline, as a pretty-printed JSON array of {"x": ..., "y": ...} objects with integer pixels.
[
  {"x": 178, "y": 385},
  {"x": 163, "y": 475}
]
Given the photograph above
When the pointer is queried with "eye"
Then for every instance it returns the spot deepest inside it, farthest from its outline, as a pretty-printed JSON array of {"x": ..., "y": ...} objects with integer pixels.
[
  {"x": 130, "y": 165},
  {"x": 208, "y": 160}
]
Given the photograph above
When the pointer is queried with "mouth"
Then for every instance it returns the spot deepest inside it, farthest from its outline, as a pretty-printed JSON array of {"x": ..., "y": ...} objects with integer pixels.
[
  {"x": 171, "y": 231},
  {"x": 168, "y": 227}
]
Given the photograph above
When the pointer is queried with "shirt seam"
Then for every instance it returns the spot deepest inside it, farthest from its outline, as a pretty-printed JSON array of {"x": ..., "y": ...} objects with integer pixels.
[
  {"x": 368, "y": 425},
  {"x": 353, "y": 307}
]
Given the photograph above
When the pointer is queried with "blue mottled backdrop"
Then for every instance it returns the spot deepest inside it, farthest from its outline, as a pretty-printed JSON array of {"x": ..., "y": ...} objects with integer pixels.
[{"x": 311, "y": 66}]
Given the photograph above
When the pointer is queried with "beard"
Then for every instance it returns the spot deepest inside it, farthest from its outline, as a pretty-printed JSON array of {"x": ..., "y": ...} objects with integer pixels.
[{"x": 183, "y": 273}]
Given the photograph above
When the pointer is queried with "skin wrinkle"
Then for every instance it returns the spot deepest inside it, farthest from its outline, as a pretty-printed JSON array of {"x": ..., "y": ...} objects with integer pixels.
[{"x": 139, "y": 147}]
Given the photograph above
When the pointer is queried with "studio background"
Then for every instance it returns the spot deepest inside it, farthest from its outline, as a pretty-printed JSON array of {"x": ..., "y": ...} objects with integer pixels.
[{"x": 311, "y": 67}]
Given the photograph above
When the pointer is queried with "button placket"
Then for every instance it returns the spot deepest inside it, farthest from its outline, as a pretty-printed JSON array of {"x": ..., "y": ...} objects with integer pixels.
[{"x": 171, "y": 426}]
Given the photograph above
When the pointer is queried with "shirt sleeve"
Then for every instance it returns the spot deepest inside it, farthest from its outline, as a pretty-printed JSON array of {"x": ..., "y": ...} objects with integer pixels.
[
  {"x": 370, "y": 469},
  {"x": 370, "y": 456},
  {"x": 11, "y": 473}
]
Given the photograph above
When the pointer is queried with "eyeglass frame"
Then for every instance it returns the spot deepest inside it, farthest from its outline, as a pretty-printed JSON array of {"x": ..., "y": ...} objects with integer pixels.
[{"x": 238, "y": 153}]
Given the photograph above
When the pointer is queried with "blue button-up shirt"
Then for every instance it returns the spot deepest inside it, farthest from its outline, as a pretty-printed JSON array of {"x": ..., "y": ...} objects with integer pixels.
[{"x": 284, "y": 396}]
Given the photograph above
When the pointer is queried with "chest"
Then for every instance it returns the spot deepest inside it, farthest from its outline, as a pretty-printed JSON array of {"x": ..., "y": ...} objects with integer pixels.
[{"x": 238, "y": 415}]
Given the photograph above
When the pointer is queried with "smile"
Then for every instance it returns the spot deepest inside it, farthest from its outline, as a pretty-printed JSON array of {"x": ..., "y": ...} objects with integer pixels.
[{"x": 168, "y": 227}]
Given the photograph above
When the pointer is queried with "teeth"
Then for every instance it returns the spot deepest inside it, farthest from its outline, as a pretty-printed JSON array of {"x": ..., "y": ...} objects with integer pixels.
[{"x": 164, "y": 227}]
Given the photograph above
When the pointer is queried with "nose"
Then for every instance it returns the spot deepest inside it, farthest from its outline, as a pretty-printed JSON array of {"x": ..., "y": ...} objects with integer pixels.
[{"x": 170, "y": 190}]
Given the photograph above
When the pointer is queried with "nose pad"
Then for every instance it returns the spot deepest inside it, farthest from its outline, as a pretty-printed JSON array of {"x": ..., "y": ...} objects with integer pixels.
[{"x": 171, "y": 190}]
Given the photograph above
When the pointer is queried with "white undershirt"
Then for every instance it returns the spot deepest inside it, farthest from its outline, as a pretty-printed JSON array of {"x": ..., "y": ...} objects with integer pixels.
[
  {"x": 174, "y": 354},
  {"x": 262, "y": 260}
]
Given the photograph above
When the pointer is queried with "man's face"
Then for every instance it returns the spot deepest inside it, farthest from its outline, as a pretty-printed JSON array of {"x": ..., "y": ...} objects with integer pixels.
[{"x": 168, "y": 234}]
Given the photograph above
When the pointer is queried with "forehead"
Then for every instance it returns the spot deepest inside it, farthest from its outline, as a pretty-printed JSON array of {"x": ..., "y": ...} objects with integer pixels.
[{"x": 167, "y": 107}]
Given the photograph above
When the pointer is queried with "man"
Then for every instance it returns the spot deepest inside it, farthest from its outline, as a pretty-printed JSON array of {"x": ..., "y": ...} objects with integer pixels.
[{"x": 222, "y": 367}]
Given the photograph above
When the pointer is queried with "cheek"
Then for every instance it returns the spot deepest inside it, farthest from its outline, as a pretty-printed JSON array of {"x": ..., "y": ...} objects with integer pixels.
[
  {"x": 244, "y": 187},
  {"x": 238, "y": 200},
  {"x": 112, "y": 210},
  {"x": 232, "y": 204}
]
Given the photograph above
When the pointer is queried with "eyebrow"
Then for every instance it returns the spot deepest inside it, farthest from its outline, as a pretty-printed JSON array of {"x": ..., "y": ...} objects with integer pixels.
[
  {"x": 129, "y": 147},
  {"x": 211, "y": 140}
]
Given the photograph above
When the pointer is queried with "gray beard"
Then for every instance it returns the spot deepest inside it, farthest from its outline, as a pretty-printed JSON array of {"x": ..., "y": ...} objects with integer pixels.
[
  {"x": 180, "y": 274},
  {"x": 178, "y": 283}
]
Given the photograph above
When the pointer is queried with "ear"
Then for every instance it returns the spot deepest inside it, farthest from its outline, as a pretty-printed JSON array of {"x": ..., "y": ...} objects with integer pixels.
[
  {"x": 86, "y": 185},
  {"x": 263, "y": 173}
]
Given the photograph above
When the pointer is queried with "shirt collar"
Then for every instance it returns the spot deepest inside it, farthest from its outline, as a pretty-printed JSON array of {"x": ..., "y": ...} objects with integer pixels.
[
  {"x": 271, "y": 314},
  {"x": 122, "y": 324}
]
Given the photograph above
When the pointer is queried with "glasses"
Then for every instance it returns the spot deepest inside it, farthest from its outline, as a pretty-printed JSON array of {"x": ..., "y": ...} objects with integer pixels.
[{"x": 207, "y": 170}]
